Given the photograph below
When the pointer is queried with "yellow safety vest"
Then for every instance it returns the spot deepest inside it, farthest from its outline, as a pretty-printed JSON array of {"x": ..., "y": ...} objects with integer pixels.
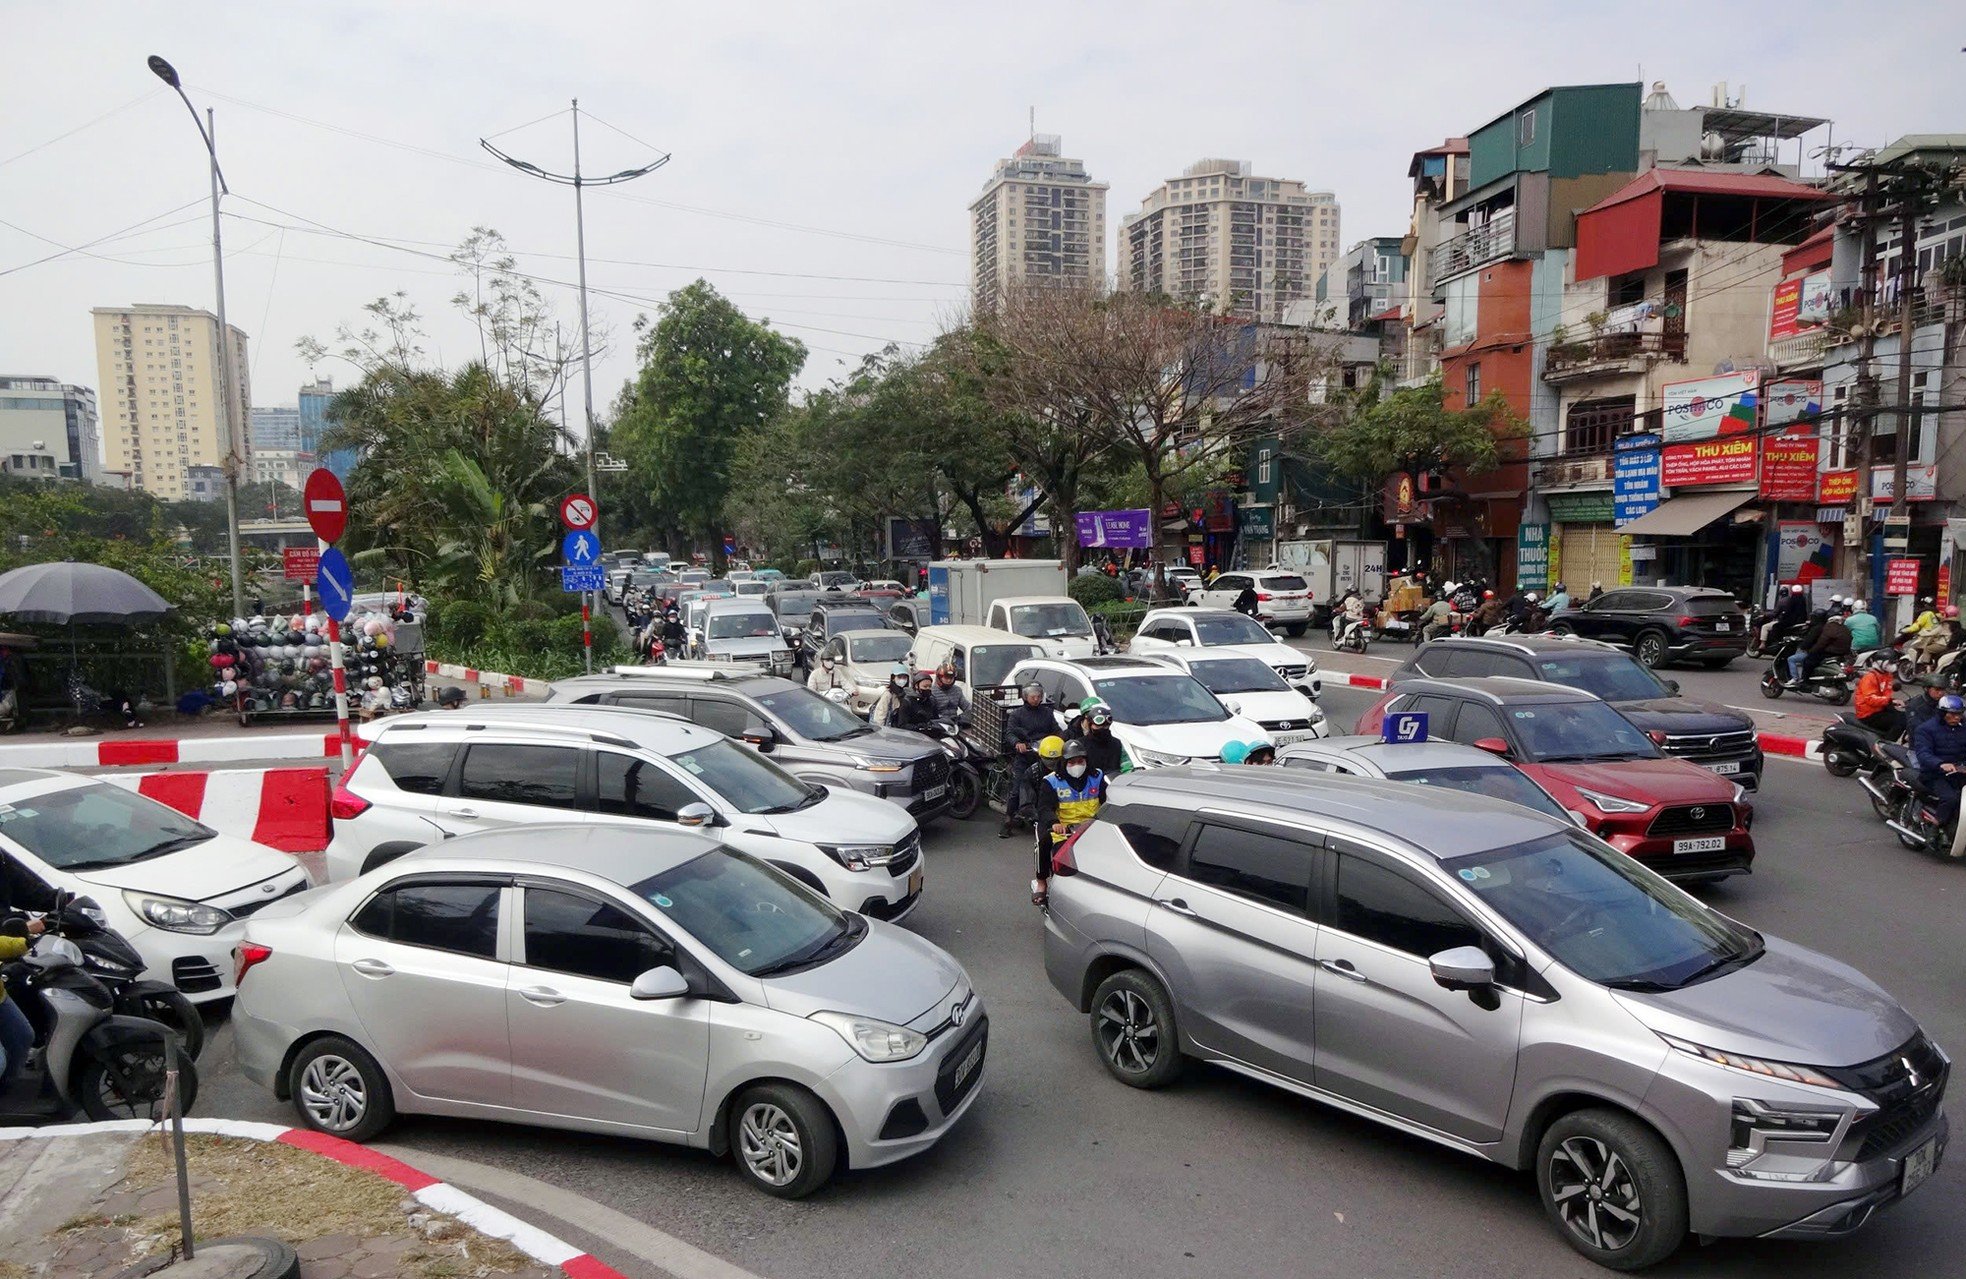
[{"x": 1077, "y": 801}]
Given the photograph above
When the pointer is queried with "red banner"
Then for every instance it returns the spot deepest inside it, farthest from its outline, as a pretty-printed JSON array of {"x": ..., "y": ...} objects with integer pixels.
[
  {"x": 1782, "y": 318},
  {"x": 1788, "y": 465},
  {"x": 1725, "y": 460},
  {"x": 1836, "y": 488},
  {"x": 1901, "y": 577},
  {"x": 302, "y": 563}
]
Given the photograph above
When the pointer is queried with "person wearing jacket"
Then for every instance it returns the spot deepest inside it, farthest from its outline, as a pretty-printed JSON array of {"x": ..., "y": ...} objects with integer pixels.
[
  {"x": 888, "y": 705},
  {"x": 1438, "y": 620},
  {"x": 16, "y": 1032},
  {"x": 1875, "y": 708},
  {"x": 1938, "y": 639},
  {"x": 1023, "y": 729},
  {"x": 916, "y": 709},
  {"x": 1923, "y": 707},
  {"x": 1102, "y": 750},
  {"x": 1831, "y": 638},
  {"x": 1559, "y": 599},
  {"x": 1939, "y": 745},
  {"x": 951, "y": 703},
  {"x": 1865, "y": 631},
  {"x": 1066, "y": 799},
  {"x": 826, "y": 676}
]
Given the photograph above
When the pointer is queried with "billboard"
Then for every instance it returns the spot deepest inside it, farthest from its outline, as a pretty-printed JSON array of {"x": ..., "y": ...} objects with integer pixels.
[
  {"x": 1119, "y": 530},
  {"x": 1788, "y": 465},
  {"x": 1532, "y": 556},
  {"x": 1634, "y": 477},
  {"x": 1801, "y": 555},
  {"x": 910, "y": 539},
  {"x": 1708, "y": 407},
  {"x": 1836, "y": 488},
  {"x": 1800, "y": 304},
  {"x": 1722, "y": 461},
  {"x": 1791, "y": 400}
]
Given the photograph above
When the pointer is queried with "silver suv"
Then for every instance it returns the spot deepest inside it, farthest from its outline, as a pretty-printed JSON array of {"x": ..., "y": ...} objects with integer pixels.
[{"x": 1495, "y": 980}]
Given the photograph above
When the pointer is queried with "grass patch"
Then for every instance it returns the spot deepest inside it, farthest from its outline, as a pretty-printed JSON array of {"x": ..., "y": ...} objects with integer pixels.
[{"x": 264, "y": 1188}]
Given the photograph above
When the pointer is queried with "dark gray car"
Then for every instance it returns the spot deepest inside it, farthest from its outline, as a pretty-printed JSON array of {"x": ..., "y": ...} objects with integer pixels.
[
  {"x": 814, "y": 739},
  {"x": 1495, "y": 980}
]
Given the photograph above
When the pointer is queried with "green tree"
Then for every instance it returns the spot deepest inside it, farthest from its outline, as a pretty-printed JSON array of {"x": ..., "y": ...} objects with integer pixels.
[
  {"x": 709, "y": 376},
  {"x": 1411, "y": 427}
]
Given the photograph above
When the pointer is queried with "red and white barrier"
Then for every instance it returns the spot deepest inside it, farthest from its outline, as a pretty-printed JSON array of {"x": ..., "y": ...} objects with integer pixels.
[
  {"x": 122, "y": 752},
  {"x": 472, "y": 675},
  {"x": 438, "y": 1196},
  {"x": 283, "y": 808}
]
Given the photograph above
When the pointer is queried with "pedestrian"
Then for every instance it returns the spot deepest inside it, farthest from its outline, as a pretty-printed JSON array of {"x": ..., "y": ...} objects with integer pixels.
[
  {"x": 1066, "y": 800},
  {"x": 1024, "y": 728}
]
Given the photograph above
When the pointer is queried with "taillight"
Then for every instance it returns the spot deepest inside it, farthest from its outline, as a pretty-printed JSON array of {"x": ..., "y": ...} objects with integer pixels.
[
  {"x": 1685, "y": 619},
  {"x": 1061, "y": 856},
  {"x": 245, "y": 956},
  {"x": 344, "y": 804},
  {"x": 1263, "y": 596}
]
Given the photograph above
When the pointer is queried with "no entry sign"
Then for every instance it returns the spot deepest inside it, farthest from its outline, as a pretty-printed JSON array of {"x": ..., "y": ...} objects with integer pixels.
[
  {"x": 579, "y": 512},
  {"x": 327, "y": 504}
]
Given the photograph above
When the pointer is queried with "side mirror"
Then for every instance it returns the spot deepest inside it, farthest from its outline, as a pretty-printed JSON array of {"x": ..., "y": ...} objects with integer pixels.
[
  {"x": 696, "y": 815},
  {"x": 764, "y": 739},
  {"x": 1493, "y": 745},
  {"x": 1462, "y": 968},
  {"x": 1234, "y": 707},
  {"x": 1184, "y": 643},
  {"x": 659, "y": 983},
  {"x": 1672, "y": 686}
]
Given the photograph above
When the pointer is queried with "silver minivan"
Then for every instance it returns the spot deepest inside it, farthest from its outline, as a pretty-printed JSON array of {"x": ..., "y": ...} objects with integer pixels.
[{"x": 1493, "y": 979}]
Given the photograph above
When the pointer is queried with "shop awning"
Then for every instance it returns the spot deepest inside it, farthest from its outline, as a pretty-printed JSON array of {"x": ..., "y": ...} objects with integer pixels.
[{"x": 1685, "y": 516}]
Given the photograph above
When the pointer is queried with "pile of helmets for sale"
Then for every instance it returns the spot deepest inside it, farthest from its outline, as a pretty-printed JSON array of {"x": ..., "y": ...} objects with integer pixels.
[{"x": 269, "y": 664}]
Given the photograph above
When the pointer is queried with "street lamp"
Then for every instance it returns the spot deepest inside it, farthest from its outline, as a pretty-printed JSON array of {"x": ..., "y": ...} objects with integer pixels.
[{"x": 227, "y": 383}]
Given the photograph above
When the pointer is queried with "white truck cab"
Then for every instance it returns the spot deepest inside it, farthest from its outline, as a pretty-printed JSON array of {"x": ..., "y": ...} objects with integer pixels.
[{"x": 1055, "y": 623}]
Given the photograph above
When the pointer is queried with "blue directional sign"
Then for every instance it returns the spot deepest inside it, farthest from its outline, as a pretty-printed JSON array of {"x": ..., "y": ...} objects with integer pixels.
[
  {"x": 334, "y": 581},
  {"x": 1403, "y": 727},
  {"x": 581, "y": 549},
  {"x": 583, "y": 579}
]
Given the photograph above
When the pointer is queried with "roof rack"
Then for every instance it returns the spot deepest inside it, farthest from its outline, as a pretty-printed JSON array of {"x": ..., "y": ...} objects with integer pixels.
[{"x": 683, "y": 670}]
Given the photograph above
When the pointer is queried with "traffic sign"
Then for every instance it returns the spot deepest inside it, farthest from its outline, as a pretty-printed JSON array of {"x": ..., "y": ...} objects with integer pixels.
[
  {"x": 581, "y": 549},
  {"x": 334, "y": 582},
  {"x": 593, "y": 578},
  {"x": 327, "y": 504},
  {"x": 303, "y": 563},
  {"x": 1404, "y": 727},
  {"x": 579, "y": 512}
]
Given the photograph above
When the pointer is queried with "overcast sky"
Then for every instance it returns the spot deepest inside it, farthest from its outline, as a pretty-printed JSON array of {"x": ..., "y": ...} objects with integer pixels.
[{"x": 824, "y": 153}]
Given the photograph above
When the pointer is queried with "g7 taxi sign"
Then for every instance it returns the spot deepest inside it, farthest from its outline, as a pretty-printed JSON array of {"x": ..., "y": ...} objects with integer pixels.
[
  {"x": 1404, "y": 727},
  {"x": 579, "y": 512},
  {"x": 327, "y": 504}
]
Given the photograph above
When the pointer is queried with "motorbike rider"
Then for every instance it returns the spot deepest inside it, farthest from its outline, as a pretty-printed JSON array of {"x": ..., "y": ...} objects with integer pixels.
[
  {"x": 917, "y": 709},
  {"x": 1924, "y": 621},
  {"x": 1939, "y": 638},
  {"x": 1875, "y": 708},
  {"x": 674, "y": 637},
  {"x": 1249, "y": 753},
  {"x": 888, "y": 705},
  {"x": 1246, "y": 600},
  {"x": 1919, "y": 709},
  {"x": 1066, "y": 799},
  {"x": 1351, "y": 615},
  {"x": 1515, "y": 609},
  {"x": 951, "y": 703},
  {"x": 1488, "y": 616},
  {"x": 1559, "y": 599},
  {"x": 1940, "y": 747},
  {"x": 1827, "y": 636},
  {"x": 1865, "y": 632},
  {"x": 1463, "y": 598},
  {"x": 1438, "y": 620},
  {"x": 1023, "y": 729},
  {"x": 827, "y": 676},
  {"x": 1102, "y": 750},
  {"x": 22, "y": 890}
]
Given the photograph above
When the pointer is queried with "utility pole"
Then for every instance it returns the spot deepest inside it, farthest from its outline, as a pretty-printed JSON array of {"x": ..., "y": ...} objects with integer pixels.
[
  {"x": 1864, "y": 406},
  {"x": 1910, "y": 203}
]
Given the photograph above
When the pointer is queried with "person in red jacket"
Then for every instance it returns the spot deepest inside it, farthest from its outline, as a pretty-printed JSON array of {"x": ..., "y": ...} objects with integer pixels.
[{"x": 1875, "y": 708}]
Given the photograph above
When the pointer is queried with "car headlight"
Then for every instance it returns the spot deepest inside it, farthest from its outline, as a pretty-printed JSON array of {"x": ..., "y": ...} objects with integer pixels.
[
  {"x": 877, "y": 765},
  {"x": 1146, "y": 756},
  {"x": 859, "y": 856},
  {"x": 872, "y": 1038},
  {"x": 1612, "y": 803},
  {"x": 1786, "y": 1071},
  {"x": 176, "y": 915}
]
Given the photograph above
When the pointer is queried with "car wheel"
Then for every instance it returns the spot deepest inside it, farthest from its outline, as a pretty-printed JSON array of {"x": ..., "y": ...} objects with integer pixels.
[
  {"x": 1295, "y": 630},
  {"x": 339, "y": 1089},
  {"x": 1563, "y": 628},
  {"x": 1650, "y": 649},
  {"x": 1613, "y": 1189},
  {"x": 1133, "y": 1029},
  {"x": 783, "y": 1140}
]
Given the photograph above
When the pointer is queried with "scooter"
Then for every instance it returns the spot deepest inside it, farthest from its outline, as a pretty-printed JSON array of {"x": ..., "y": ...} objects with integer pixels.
[
  {"x": 1830, "y": 680},
  {"x": 115, "y": 963},
  {"x": 965, "y": 770},
  {"x": 1352, "y": 636},
  {"x": 1916, "y": 816},
  {"x": 86, "y": 1057}
]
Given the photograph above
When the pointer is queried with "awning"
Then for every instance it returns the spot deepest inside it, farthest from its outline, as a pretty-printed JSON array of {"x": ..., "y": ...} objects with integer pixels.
[{"x": 1685, "y": 516}]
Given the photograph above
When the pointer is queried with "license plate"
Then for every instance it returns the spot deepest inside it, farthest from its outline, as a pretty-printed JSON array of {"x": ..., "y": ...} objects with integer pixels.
[
  {"x": 1726, "y": 766},
  {"x": 914, "y": 882},
  {"x": 1919, "y": 1165},
  {"x": 1723, "y": 626},
  {"x": 934, "y": 793},
  {"x": 971, "y": 1060},
  {"x": 1710, "y": 844}
]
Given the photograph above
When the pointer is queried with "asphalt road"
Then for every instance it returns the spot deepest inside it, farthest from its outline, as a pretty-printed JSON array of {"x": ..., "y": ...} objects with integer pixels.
[{"x": 1060, "y": 1170}]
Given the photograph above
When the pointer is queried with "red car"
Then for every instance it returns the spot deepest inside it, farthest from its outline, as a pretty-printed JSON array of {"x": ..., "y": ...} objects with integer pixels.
[{"x": 1678, "y": 818}]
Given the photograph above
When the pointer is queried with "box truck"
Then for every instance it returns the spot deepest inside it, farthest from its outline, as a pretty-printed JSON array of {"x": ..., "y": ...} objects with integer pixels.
[{"x": 1024, "y": 597}]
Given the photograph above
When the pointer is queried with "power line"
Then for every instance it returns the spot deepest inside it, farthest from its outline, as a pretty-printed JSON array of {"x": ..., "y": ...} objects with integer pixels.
[
  {"x": 85, "y": 246},
  {"x": 86, "y": 124}
]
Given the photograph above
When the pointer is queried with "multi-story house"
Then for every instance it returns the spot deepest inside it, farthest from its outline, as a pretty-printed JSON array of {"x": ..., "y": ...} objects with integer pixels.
[
  {"x": 1440, "y": 177},
  {"x": 48, "y": 429}
]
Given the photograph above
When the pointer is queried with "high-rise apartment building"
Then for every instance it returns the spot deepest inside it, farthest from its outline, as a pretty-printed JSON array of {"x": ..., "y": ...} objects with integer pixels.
[
  {"x": 162, "y": 411},
  {"x": 1244, "y": 245},
  {"x": 1040, "y": 220},
  {"x": 314, "y": 422},
  {"x": 48, "y": 429},
  {"x": 276, "y": 429}
]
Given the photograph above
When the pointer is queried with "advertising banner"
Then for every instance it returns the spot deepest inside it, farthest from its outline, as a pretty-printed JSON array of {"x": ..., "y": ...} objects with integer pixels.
[
  {"x": 1722, "y": 461},
  {"x": 1836, "y": 488},
  {"x": 909, "y": 539},
  {"x": 1788, "y": 465},
  {"x": 1901, "y": 577},
  {"x": 1532, "y": 557},
  {"x": 1707, "y": 407},
  {"x": 1818, "y": 300},
  {"x": 1400, "y": 500},
  {"x": 1782, "y": 313},
  {"x": 1921, "y": 483},
  {"x": 1120, "y": 530},
  {"x": 1791, "y": 400},
  {"x": 1635, "y": 477},
  {"x": 1800, "y": 544}
]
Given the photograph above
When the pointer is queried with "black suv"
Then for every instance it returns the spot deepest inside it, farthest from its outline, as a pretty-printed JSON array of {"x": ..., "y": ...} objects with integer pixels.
[
  {"x": 832, "y": 616},
  {"x": 1721, "y": 739},
  {"x": 1661, "y": 624}
]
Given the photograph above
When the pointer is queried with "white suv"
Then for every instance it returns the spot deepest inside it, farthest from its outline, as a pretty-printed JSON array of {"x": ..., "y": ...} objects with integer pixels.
[
  {"x": 1283, "y": 598},
  {"x": 427, "y": 777}
]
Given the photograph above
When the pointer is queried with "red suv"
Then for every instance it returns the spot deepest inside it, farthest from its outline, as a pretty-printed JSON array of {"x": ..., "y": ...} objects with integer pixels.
[{"x": 1678, "y": 818}]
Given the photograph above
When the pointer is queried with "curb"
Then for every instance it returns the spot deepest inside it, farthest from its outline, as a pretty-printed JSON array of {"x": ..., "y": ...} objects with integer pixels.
[
  {"x": 548, "y": 1250},
  {"x": 471, "y": 675}
]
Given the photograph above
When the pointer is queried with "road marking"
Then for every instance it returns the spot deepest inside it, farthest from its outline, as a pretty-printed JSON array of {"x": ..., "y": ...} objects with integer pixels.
[{"x": 656, "y": 1247}]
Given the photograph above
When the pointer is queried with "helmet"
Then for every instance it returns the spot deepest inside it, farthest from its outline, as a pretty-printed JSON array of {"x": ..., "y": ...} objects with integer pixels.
[
  {"x": 1451, "y": 587},
  {"x": 1950, "y": 611},
  {"x": 1051, "y": 747},
  {"x": 1883, "y": 660},
  {"x": 1952, "y": 704},
  {"x": 1556, "y": 586},
  {"x": 1074, "y": 750},
  {"x": 946, "y": 671},
  {"x": 923, "y": 677},
  {"x": 1488, "y": 595},
  {"x": 1821, "y": 614},
  {"x": 1836, "y": 599},
  {"x": 1031, "y": 690},
  {"x": 1532, "y": 597},
  {"x": 1254, "y": 749},
  {"x": 1235, "y": 752},
  {"x": 1100, "y": 715}
]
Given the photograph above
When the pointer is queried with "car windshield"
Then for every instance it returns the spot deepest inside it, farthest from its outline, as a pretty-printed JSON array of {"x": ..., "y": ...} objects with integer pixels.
[
  {"x": 990, "y": 664},
  {"x": 1160, "y": 699},
  {"x": 746, "y": 780},
  {"x": 1049, "y": 621},
  {"x": 1611, "y": 676},
  {"x": 1232, "y": 629},
  {"x": 1568, "y": 732},
  {"x": 793, "y": 603},
  {"x": 888, "y": 646},
  {"x": 1604, "y": 916},
  {"x": 752, "y": 917},
  {"x": 757, "y": 625},
  {"x": 815, "y": 718},
  {"x": 1499, "y": 782},
  {"x": 1237, "y": 675},
  {"x": 97, "y": 826}
]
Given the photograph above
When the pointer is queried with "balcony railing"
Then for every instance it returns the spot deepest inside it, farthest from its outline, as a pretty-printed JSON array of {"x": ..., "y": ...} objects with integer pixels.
[
  {"x": 1611, "y": 353},
  {"x": 1485, "y": 243}
]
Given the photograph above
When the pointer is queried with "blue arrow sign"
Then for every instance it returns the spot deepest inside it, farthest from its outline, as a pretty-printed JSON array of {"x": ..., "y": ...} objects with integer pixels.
[
  {"x": 335, "y": 582},
  {"x": 581, "y": 549},
  {"x": 583, "y": 579}
]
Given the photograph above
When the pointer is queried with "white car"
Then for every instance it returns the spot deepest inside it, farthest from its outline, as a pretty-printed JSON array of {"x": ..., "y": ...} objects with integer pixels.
[
  {"x": 1252, "y": 689},
  {"x": 1161, "y": 716},
  {"x": 1055, "y": 623},
  {"x": 1283, "y": 598},
  {"x": 1222, "y": 632},
  {"x": 751, "y": 587},
  {"x": 176, "y": 890},
  {"x": 617, "y": 588},
  {"x": 431, "y": 775},
  {"x": 865, "y": 660}
]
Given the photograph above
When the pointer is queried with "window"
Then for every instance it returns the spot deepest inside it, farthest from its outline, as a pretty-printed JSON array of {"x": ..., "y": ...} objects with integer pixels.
[
  {"x": 1624, "y": 290},
  {"x": 419, "y": 768},
  {"x": 542, "y": 776},
  {"x": 1154, "y": 834},
  {"x": 1262, "y": 868},
  {"x": 1477, "y": 722},
  {"x": 566, "y": 933},
  {"x": 729, "y": 718},
  {"x": 1381, "y": 905},
  {"x": 630, "y": 787},
  {"x": 1592, "y": 426},
  {"x": 1474, "y": 383},
  {"x": 460, "y": 918},
  {"x": 669, "y": 703},
  {"x": 1437, "y": 709},
  {"x": 1526, "y": 127}
]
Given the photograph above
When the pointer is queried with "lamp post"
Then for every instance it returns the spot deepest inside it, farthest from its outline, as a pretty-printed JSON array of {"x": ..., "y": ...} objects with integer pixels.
[{"x": 227, "y": 383}]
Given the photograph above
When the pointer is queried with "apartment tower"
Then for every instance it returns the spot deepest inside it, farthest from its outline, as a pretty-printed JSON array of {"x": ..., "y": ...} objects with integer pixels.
[
  {"x": 1040, "y": 220},
  {"x": 162, "y": 412},
  {"x": 1244, "y": 245}
]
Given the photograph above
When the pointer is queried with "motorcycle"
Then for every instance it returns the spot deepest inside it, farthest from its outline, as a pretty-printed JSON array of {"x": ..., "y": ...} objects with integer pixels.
[
  {"x": 1915, "y": 817},
  {"x": 965, "y": 768},
  {"x": 1353, "y": 634},
  {"x": 1830, "y": 680},
  {"x": 1850, "y": 748},
  {"x": 86, "y": 1057},
  {"x": 116, "y": 964}
]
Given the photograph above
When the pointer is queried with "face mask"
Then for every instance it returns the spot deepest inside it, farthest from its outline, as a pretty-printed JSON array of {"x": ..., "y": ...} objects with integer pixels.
[
  {"x": 827, "y": 662},
  {"x": 1075, "y": 770}
]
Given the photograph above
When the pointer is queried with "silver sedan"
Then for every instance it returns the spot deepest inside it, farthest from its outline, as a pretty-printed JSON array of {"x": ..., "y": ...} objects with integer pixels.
[{"x": 610, "y": 981}]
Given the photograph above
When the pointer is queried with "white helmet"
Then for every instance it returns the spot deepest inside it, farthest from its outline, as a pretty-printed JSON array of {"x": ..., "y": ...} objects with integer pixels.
[
  {"x": 1451, "y": 587},
  {"x": 1532, "y": 597}
]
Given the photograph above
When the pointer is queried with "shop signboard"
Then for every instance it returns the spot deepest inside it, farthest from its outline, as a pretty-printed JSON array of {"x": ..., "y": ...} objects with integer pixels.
[
  {"x": 1532, "y": 556},
  {"x": 1635, "y": 477},
  {"x": 1800, "y": 543},
  {"x": 1921, "y": 483},
  {"x": 1708, "y": 407},
  {"x": 1728, "y": 460},
  {"x": 1256, "y": 523},
  {"x": 1901, "y": 577},
  {"x": 1791, "y": 400},
  {"x": 1836, "y": 488},
  {"x": 1800, "y": 304},
  {"x": 1788, "y": 465}
]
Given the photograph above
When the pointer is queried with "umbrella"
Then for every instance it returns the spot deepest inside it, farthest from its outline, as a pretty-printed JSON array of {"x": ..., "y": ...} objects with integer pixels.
[{"x": 70, "y": 593}]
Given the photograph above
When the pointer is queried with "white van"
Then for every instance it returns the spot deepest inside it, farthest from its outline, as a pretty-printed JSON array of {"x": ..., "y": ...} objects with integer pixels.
[{"x": 982, "y": 657}]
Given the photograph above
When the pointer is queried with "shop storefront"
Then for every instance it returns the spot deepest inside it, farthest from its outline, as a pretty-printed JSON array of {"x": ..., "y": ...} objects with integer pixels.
[{"x": 1585, "y": 547}]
